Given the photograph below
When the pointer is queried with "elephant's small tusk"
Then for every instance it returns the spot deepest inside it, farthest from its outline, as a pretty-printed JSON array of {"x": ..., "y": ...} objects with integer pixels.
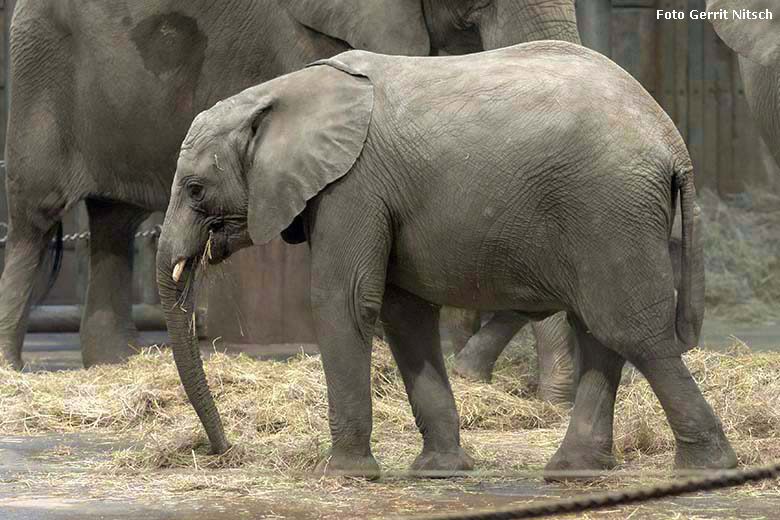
[{"x": 178, "y": 269}]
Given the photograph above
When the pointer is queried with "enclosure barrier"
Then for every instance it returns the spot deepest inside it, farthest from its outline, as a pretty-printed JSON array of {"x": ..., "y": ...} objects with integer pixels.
[
  {"x": 84, "y": 235},
  {"x": 67, "y": 318},
  {"x": 579, "y": 504}
]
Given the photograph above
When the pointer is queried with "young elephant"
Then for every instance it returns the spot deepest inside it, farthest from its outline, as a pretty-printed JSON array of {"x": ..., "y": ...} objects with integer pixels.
[{"x": 536, "y": 178}]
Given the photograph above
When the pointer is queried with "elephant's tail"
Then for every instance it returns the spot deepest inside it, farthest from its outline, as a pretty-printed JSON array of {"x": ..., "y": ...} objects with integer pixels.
[
  {"x": 54, "y": 258},
  {"x": 690, "y": 297}
]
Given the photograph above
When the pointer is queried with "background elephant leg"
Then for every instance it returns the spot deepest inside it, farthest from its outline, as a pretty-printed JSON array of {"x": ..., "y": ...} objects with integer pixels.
[
  {"x": 701, "y": 442},
  {"x": 556, "y": 354},
  {"x": 108, "y": 333},
  {"x": 587, "y": 445},
  {"x": 25, "y": 265},
  {"x": 477, "y": 359},
  {"x": 457, "y": 326},
  {"x": 411, "y": 327}
]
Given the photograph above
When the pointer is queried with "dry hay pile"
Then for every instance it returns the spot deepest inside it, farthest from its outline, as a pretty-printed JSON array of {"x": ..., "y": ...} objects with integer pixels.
[
  {"x": 275, "y": 413},
  {"x": 742, "y": 255}
]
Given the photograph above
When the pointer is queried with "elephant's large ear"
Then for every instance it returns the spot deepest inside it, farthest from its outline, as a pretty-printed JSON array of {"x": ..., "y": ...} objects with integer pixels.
[
  {"x": 756, "y": 40},
  {"x": 383, "y": 26},
  {"x": 306, "y": 133}
]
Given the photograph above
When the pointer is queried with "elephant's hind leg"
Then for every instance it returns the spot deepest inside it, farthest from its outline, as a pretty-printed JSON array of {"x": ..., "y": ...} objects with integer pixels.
[
  {"x": 411, "y": 327},
  {"x": 636, "y": 320},
  {"x": 701, "y": 442},
  {"x": 108, "y": 333},
  {"x": 587, "y": 445},
  {"x": 479, "y": 356}
]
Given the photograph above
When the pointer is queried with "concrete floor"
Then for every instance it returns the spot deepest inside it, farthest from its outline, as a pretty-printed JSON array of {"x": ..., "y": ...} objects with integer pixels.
[{"x": 65, "y": 492}]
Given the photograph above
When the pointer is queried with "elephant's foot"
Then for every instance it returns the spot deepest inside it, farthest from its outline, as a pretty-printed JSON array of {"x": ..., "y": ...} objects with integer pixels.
[
  {"x": 473, "y": 369},
  {"x": 439, "y": 465},
  {"x": 578, "y": 463},
  {"x": 11, "y": 357},
  {"x": 346, "y": 465},
  {"x": 109, "y": 349},
  {"x": 714, "y": 453}
]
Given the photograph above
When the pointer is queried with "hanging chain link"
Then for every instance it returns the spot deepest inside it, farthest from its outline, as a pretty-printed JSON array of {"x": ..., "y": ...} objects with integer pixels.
[{"x": 84, "y": 235}]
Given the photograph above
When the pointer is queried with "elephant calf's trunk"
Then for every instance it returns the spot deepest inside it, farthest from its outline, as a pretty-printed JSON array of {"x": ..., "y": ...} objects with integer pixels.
[{"x": 186, "y": 353}]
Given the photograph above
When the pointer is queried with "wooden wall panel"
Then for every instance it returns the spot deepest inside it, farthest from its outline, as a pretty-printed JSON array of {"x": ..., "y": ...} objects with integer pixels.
[
  {"x": 262, "y": 297},
  {"x": 707, "y": 172},
  {"x": 634, "y": 37},
  {"x": 696, "y": 88},
  {"x": 696, "y": 79}
]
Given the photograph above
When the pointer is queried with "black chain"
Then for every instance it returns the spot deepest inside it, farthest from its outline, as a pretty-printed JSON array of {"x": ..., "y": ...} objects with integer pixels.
[
  {"x": 721, "y": 479},
  {"x": 84, "y": 235}
]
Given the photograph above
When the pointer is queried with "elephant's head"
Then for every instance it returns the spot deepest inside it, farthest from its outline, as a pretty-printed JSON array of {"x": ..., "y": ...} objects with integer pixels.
[
  {"x": 755, "y": 39},
  {"x": 419, "y": 27},
  {"x": 245, "y": 172}
]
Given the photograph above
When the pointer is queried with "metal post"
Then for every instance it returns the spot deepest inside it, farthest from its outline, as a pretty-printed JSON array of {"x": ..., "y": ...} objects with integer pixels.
[{"x": 594, "y": 18}]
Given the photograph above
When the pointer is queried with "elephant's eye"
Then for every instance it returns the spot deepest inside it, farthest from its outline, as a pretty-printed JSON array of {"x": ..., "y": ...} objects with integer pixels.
[{"x": 195, "y": 191}]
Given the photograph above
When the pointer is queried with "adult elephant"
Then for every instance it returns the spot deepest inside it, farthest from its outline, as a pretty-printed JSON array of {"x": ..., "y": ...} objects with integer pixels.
[
  {"x": 103, "y": 94},
  {"x": 757, "y": 41}
]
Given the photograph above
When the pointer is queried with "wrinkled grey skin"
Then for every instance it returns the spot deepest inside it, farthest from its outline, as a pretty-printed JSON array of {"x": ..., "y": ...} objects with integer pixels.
[
  {"x": 103, "y": 94},
  {"x": 556, "y": 345},
  {"x": 449, "y": 193}
]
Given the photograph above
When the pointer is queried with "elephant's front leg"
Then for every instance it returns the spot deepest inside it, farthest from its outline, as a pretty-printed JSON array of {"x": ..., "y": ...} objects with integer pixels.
[
  {"x": 411, "y": 327},
  {"x": 108, "y": 332},
  {"x": 346, "y": 359},
  {"x": 348, "y": 279}
]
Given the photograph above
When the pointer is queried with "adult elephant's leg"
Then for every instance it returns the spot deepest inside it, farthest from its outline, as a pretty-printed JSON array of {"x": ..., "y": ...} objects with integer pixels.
[
  {"x": 26, "y": 250},
  {"x": 477, "y": 359},
  {"x": 587, "y": 445},
  {"x": 108, "y": 333},
  {"x": 411, "y": 327},
  {"x": 556, "y": 353},
  {"x": 701, "y": 442}
]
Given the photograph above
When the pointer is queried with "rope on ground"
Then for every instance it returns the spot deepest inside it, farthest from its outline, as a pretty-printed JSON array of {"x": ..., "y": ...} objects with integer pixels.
[
  {"x": 84, "y": 235},
  {"x": 579, "y": 504}
]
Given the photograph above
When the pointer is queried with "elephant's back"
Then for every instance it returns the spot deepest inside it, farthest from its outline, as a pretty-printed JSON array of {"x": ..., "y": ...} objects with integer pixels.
[{"x": 549, "y": 90}]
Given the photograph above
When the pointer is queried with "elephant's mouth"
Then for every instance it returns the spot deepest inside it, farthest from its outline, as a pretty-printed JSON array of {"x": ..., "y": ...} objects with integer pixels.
[
  {"x": 220, "y": 245},
  {"x": 213, "y": 252},
  {"x": 224, "y": 243}
]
